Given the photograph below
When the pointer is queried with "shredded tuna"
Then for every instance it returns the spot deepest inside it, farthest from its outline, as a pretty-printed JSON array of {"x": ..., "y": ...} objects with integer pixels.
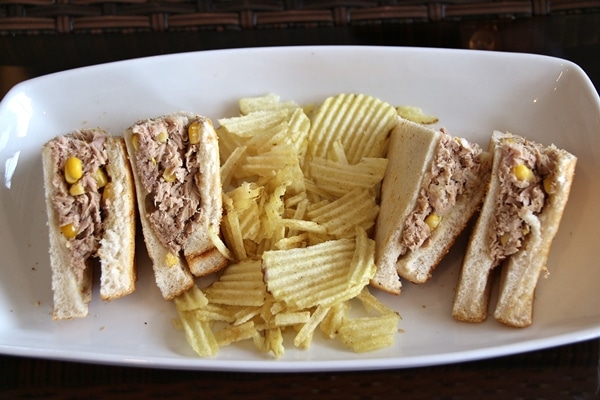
[
  {"x": 169, "y": 171},
  {"x": 84, "y": 211},
  {"x": 518, "y": 197},
  {"x": 453, "y": 173}
]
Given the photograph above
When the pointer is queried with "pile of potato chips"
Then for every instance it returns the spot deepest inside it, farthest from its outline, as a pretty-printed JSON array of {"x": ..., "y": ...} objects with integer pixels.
[{"x": 301, "y": 187}]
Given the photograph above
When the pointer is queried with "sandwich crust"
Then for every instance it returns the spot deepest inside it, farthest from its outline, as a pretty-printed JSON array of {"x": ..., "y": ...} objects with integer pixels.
[
  {"x": 399, "y": 191},
  {"x": 71, "y": 292},
  {"x": 118, "y": 270}
]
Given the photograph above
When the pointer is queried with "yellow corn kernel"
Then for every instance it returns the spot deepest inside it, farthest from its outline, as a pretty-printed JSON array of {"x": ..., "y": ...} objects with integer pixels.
[
  {"x": 549, "y": 186},
  {"x": 523, "y": 173},
  {"x": 69, "y": 231},
  {"x": 526, "y": 230},
  {"x": 162, "y": 137},
  {"x": 171, "y": 259},
  {"x": 77, "y": 189},
  {"x": 73, "y": 169},
  {"x": 194, "y": 132},
  {"x": 101, "y": 178},
  {"x": 135, "y": 141},
  {"x": 504, "y": 239},
  {"x": 169, "y": 175},
  {"x": 108, "y": 193},
  {"x": 433, "y": 220}
]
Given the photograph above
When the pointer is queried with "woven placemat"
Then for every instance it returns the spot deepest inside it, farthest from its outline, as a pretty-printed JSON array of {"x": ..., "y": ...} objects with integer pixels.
[
  {"x": 566, "y": 372},
  {"x": 97, "y": 16}
]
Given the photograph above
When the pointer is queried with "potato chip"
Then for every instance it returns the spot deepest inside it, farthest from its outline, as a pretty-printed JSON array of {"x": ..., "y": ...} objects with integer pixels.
[
  {"x": 231, "y": 165},
  {"x": 266, "y": 139},
  {"x": 270, "y": 219},
  {"x": 240, "y": 285},
  {"x": 340, "y": 178},
  {"x": 334, "y": 319},
  {"x": 267, "y": 163},
  {"x": 245, "y": 314},
  {"x": 369, "y": 333},
  {"x": 291, "y": 318},
  {"x": 236, "y": 333},
  {"x": 232, "y": 233},
  {"x": 337, "y": 153},
  {"x": 244, "y": 196},
  {"x": 192, "y": 299},
  {"x": 342, "y": 216},
  {"x": 242, "y": 210},
  {"x": 218, "y": 243},
  {"x": 304, "y": 336},
  {"x": 216, "y": 313},
  {"x": 361, "y": 123},
  {"x": 274, "y": 341},
  {"x": 416, "y": 114},
  {"x": 253, "y": 123},
  {"x": 303, "y": 225},
  {"x": 315, "y": 275},
  {"x": 199, "y": 334},
  {"x": 372, "y": 303},
  {"x": 228, "y": 143},
  {"x": 363, "y": 260},
  {"x": 300, "y": 200},
  {"x": 267, "y": 102}
]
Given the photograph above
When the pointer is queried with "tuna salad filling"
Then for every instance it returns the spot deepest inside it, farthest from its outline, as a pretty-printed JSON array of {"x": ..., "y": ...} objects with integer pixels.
[
  {"x": 454, "y": 172},
  {"x": 80, "y": 160},
  {"x": 169, "y": 168},
  {"x": 524, "y": 179}
]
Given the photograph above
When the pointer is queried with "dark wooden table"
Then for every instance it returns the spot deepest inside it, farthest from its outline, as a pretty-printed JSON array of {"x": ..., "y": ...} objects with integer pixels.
[{"x": 566, "y": 372}]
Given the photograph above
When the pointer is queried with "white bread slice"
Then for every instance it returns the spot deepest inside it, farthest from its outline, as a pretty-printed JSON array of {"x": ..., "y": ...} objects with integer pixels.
[
  {"x": 71, "y": 295},
  {"x": 410, "y": 150},
  {"x": 117, "y": 253},
  {"x": 118, "y": 271},
  {"x": 520, "y": 272},
  {"x": 173, "y": 273},
  {"x": 474, "y": 283},
  {"x": 202, "y": 256}
]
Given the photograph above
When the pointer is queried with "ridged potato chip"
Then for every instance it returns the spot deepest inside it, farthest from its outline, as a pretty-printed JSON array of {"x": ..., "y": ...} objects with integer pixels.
[
  {"x": 300, "y": 199},
  {"x": 369, "y": 333},
  {"x": 319, "y": 275},
  {"x": 240, "y": 285},
  {"x": 341, "y": 217},
  {"x": 361, "y": 123},
  {"x": 267, "y": 102},
  {"x": 199, "y": 334},
  {"x": 340, "y": 178},
  {"x": 416, "y": 114},
  {"x": 253, "y": 123}
]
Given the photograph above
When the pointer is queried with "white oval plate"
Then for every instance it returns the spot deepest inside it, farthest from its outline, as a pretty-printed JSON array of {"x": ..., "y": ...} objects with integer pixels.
[{"x": 546, "y": 99}]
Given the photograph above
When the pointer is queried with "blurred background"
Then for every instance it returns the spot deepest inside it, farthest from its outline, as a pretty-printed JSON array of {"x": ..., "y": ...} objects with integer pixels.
[
  {"x": 39, "y": 37},
  {"x": 43, "y": 36}
]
